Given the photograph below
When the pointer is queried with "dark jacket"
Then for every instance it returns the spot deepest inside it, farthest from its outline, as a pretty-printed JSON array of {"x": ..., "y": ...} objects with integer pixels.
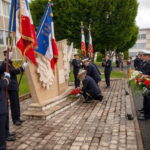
[
  {"x": 145, "y": 68},
  {"x": 3, "y": 101},
  {"x": 13, "y": 86},
  {"x": 92, "y": 71},
  {"x": 76, "y": 65},
  {"x": 90, "y": 86},
  {"x": 108, "y": 66},
  {"x": 137, "y": 63}
]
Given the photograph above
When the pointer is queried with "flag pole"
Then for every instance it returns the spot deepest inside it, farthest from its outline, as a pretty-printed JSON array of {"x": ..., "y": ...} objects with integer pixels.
[{"x": 81, "y": 40}]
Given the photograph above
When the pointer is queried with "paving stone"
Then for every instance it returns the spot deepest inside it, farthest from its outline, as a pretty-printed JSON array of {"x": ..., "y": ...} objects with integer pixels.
[{"x": 96, "y": 126}]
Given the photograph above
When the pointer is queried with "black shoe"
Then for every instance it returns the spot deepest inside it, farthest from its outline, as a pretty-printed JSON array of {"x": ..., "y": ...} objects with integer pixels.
[
  {"x": 12, "y": 134},
  {"x": 141, "y": 110},
  {"x": 101, "y": 97},
  {"x": 107, "y": 87},
  {"x": 130, "y": 117},
  {"x": 22, "y": 121},
  {"x": 10, "y": 139},
  {"x": 17, "y": 123},
  {"x": 87, "y": 102},
  {"x": 142, "y": 118}
]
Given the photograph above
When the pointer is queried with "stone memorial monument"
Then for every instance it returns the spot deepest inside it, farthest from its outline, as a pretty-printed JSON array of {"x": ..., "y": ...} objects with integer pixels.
[{"x": 49, "y": 87}]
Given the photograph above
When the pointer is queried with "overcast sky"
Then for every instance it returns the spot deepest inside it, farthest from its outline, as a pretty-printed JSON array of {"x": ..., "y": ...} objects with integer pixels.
[{"x": 143, "y": 17}]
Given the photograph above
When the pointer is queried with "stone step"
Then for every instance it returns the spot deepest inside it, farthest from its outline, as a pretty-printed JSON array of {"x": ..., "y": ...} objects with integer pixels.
[{"x": 51, "y": 111}]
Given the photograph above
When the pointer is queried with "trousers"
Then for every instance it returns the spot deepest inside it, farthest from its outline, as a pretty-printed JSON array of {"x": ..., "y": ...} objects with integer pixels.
[
  {"x": 3, "y": 120},
  {"x": 107, "y": 79},
  {"x": 14, "y": 105}
]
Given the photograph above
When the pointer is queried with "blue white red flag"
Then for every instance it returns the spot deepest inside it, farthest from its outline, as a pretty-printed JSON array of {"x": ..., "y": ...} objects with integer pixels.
[
  {"x": 46, "y": 37},
  {"x": 83, "y": 45},
  {"x": 21, "y": 24},
  {"x": 90, "y": 46}
]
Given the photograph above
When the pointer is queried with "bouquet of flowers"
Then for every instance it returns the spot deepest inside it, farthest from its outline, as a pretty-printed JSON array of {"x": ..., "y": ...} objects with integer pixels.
[
  {"x": 144, "y": 82},
  {"x": 75, "y": 93},
  {"x": 135, "y": 74}
]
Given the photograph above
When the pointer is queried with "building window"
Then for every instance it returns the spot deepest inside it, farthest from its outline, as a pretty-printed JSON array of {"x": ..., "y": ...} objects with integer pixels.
[
  {"x": 142, "y": 36},
  {"x": 6, "y": 6},
  {"x": 1, "y": 37},
  {"x": 140, "y": 46}
]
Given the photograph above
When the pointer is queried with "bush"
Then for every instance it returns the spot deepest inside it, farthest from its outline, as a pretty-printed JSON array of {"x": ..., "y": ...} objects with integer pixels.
[
  {"x": 99, "y": 57},
  {"x": 126, "y": 55}
]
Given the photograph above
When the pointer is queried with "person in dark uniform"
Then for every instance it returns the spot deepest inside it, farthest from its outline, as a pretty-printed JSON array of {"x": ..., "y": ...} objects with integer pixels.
[
  {"x": 4, "y": 81},
  {"x": 76, "y": 63},
  {"x": 138, "y": 62},
  {"x": 13, "y": 88},
  {"x": 107, "y": 70},
  {"x": 117, "y": 63},
  {"x": 90, "y": 89},
  {"x": 92, "y": 70},
  {"x": 146, "y": 101}
]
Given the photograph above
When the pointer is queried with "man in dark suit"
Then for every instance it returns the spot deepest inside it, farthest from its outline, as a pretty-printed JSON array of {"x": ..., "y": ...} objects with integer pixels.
[
  {"x": 76, "y": 63},
  {"x": 4, "y": 81},
  {"x": 90, "y": 89},
  {"x": 13, "y": 88},
  {"x": 92, "y": 70},
  {"x": 137, "y": 62},
  {"x": 107, "y": 70},
  {"x": 146, "y": 101}
]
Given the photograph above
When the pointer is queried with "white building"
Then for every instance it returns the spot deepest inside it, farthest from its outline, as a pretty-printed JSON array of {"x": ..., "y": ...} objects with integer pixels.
[
  {"x": 4, "y": 21},
  {"x": 143, "y": 42}
]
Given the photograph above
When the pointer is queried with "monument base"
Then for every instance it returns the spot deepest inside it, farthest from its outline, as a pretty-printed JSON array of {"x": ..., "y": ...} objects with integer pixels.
[{"x": 50, "y": 108}]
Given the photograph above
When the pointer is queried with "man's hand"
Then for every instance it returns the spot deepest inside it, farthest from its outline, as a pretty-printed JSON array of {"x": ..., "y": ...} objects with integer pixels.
[
  {"x": 6, "y": 74},
  {"x": 25, "y": 65}
]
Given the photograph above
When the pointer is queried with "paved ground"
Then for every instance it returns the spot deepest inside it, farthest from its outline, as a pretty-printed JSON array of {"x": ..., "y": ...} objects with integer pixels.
[{"x": 95, "y": 126}]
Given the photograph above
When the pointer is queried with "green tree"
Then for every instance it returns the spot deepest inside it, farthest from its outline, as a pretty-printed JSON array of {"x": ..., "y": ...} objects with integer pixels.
[{"x": 113, "y": 21}]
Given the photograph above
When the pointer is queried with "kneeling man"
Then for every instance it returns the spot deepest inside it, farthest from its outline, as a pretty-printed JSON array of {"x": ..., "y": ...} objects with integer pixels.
[{"x": 90, "y": 89}]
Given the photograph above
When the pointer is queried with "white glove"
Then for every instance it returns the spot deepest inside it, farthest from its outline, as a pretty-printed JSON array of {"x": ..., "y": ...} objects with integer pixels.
[
  {"x": 6, "y": 74},
  {"x": 10, "y": 55},
  {"x": 25, "y": 65}
]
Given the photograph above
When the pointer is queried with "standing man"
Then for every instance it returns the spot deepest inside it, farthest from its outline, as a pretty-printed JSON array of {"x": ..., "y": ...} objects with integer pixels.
[
  {"x": 137, "y": 62},
  {"x": 13, "y": 88},
  {"x": 92, "y": 70},
  {"x": 90, "y": 89},
  {"x": 76, "y": 63},
  {"x": 107, "y": 70},
  {"x": 3, "y": 109},
  {"x": 146, "y": 101}
]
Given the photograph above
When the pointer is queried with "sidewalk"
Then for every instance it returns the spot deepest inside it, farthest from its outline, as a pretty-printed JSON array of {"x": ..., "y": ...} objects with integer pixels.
[{"x": 95, "y": 126}]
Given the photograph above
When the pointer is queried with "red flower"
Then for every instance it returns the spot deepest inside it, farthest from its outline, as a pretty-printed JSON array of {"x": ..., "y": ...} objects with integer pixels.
[
  {"x": 75, "y": 92},
  {"x": 147, "y": 83},
  {"x": 138, "y": 80}
]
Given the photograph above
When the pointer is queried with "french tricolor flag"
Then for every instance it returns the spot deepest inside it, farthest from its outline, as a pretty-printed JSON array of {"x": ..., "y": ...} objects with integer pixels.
[
  {"x": 90, "y": 46},
  {"x": 83, "y": 45},
  {"x": 22, "y": 25},
  {"x": 47, "y": 45}
]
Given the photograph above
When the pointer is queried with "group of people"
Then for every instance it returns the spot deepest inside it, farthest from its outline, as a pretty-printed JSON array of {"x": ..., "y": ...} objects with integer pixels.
[
  {"x": 87, "y": 72},
  {"x": 142, "y": 64},
  {"x": 9, "y": 93}
]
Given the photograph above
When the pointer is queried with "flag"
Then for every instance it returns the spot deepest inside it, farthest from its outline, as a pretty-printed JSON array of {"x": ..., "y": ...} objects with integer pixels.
[
  {"x": 83, "y": 46},
  {"x": 21, "y": 24},
  {"x": 90, "y": 46},
  {"x": 46, "y": 37}
]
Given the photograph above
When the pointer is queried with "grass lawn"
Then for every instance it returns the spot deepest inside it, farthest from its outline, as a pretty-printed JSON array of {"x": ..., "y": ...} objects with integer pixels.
[
  {"x": 24, "y": 86},
  {"x": 114, "y": 74}
]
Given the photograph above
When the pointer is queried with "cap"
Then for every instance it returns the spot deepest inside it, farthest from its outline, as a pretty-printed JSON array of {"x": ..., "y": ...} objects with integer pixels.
[
  {"x": 76, "y": 54},
  {"x": 146, "y": 52},
  {"x": 81, "y": 72},
  {"x": 85, "y": 59}
]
